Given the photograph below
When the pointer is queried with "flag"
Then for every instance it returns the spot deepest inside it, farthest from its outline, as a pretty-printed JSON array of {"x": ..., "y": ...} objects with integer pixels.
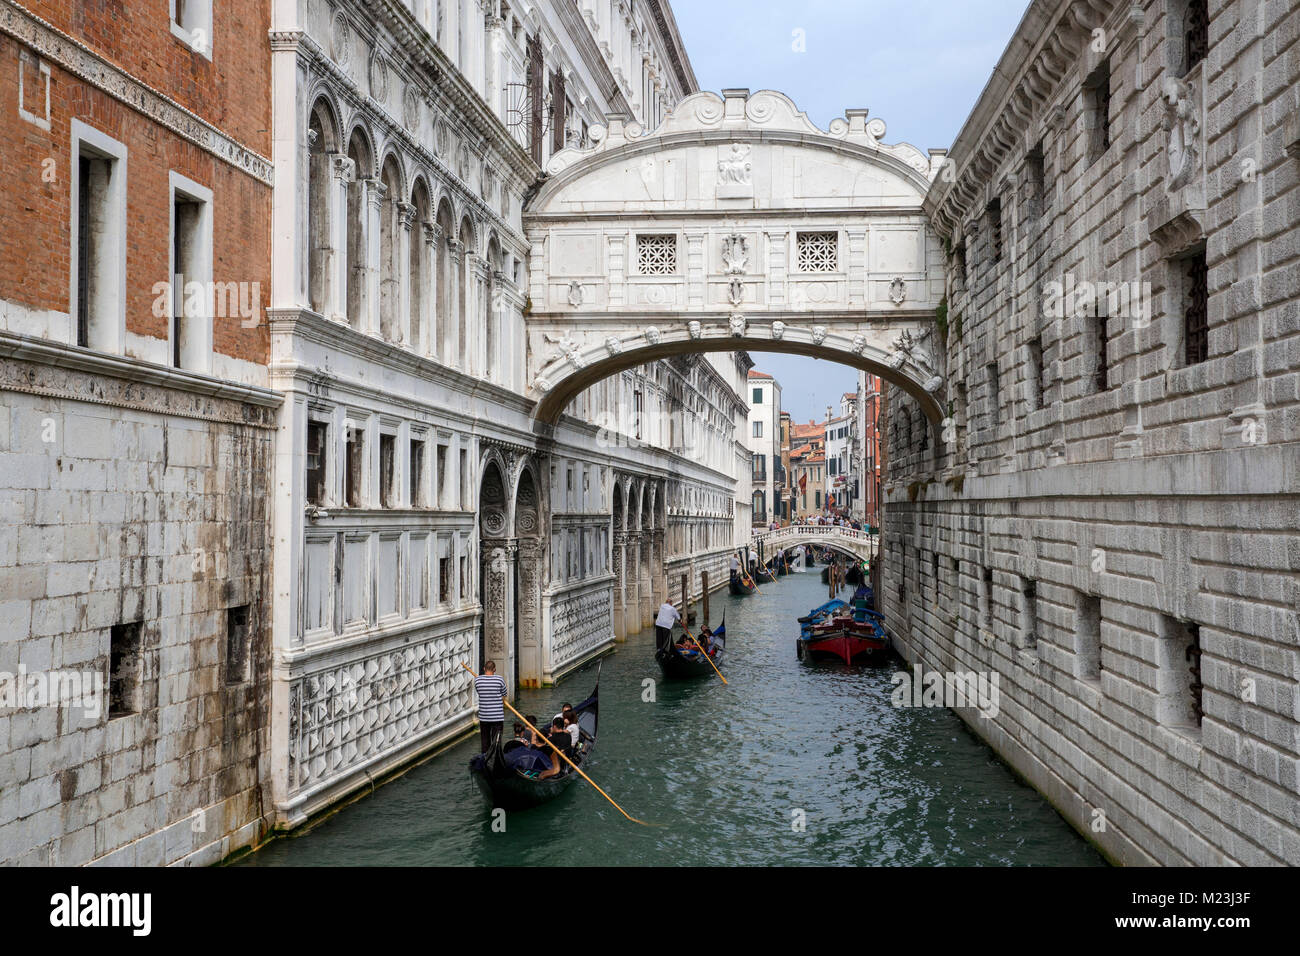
[{"x": 803, "y": 483}]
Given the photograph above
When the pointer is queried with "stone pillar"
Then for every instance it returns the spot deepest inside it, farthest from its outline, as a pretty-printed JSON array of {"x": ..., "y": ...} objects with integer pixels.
[
  {"x": 620, "y": 630},
  {"x": 431, "y": 235},
  {"x": 531, "y": 572},
  {"x": 646, "y": 590},
  {"x": 451, "y": 354},
  {"x": 632, "y": 588},
  {"x": 498, "y": 601},
  {"x": 343, "y": 173},
  {"x": 658, "y": 567},
  {"x": 375, "y": 192},
  {"x": 405, "y": 219},
  {"x": 491, "y": 71}
]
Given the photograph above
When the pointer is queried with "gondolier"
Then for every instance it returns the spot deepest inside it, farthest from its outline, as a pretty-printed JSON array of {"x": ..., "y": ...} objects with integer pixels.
[
  {"x": 735, "y": 567},
  {"x": 491, "y": 691},
  {"x": 668, "y": 616}
]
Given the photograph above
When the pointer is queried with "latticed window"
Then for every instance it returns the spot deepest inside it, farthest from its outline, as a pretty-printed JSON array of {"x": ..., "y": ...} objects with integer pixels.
[
  {"x": 656, "y": 255},
  {"x": 1196, "y": 318},
  {"x": 819, "y": 251},
  {"x": 995, "y": 228}
]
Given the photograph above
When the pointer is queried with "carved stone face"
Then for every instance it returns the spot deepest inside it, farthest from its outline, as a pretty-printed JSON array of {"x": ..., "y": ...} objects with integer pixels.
[
  {"x": 694, "y": 328},
  {"x": 652, "y": 335},
  {"x": 778, "y": 329}
]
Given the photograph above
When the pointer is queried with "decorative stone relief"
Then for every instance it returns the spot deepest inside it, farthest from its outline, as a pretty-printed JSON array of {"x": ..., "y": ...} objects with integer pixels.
[
  {"x": 340, "y": 40},
  {"x": 613, "y": 346},
  {"x": 897, "y": 290},
  {"x": 735, "y": 254},
  {"x": 652, "y": 335},
  {"x": 859, "y": 344},
  {"x": 411, "y": 109},
  {"x": 575, "y": 293},
  {"x": 778, "y": 330},
  {"x": 378, "y": 77},
  {"x": 571, "y": 350},
  {"x": 1183, "y": 125},
  {"x": 442, "y": 140},
  {"x": 735, "y": 291},
  {"x": 818, "y": 334},
  {"x": 694, "y": 328},
  {"x": 737, "y": 324},
  {"x": 735, "y": 173},
  {"x": 541, "y": 384}
]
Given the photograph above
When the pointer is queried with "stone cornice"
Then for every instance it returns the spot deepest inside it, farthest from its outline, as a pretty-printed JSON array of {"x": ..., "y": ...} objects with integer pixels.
[
  {"x": 100, "y": 378},
  {"x": 84, "y": 63},
  {"x": 580, "y": 33},
  {"x": 1051, "y": 39},
  {"x": 667, "y": 26}
]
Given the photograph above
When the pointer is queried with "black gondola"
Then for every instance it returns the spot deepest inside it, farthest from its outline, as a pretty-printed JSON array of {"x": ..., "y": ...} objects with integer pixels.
[
  {"x": 782, "y": 564},
  {"x": 511, "y": 789},
  {"x": 765, "y": 574},
  {"x": 674, "y": 664},
  {"x": 739, "y": 587}
]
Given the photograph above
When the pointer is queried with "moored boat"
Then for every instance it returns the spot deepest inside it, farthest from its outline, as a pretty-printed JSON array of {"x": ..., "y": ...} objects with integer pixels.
[
  {"x": 502, "y": 775},
  {"x": 840, "y": 630},
  {"x": 741, "y": 585}
]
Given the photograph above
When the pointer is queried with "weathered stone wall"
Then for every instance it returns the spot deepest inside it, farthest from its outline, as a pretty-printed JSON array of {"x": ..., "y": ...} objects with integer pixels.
[
  {"x": 1099, "y": 497},
  {"x": 128, "y": 498}
]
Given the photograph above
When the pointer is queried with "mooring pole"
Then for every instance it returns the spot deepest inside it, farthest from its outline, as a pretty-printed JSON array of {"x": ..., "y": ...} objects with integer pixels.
[{"x": 704, "y": 584}]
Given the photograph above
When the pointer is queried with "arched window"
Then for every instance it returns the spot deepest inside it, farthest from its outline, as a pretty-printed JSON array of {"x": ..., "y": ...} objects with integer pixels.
[
  {"x": 420, "y": 255},
  {"x": 359, "y": 153},
  {"x": 463, "y": 295},
  {"x": 321, "y": 144},
  {"x": 390, "y": 243},
  {"x": 445, "y": 293},
  {"x": 492, "y": 317}
]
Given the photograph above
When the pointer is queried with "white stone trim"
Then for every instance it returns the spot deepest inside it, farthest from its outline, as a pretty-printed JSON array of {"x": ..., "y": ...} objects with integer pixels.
[
  {"x": 113, "y": 338},
  {"x": 25, "y": 57},
  {"x": 197, "y": 36},
  {"x": 199, "y": 357}
]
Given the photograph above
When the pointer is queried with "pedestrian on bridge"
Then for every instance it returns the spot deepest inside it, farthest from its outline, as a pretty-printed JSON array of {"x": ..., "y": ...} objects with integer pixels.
[{"x": 491, "y": 691}]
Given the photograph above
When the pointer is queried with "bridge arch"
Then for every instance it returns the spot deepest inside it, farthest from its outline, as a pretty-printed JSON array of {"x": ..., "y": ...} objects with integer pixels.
[{"x": 737, "y": 224}]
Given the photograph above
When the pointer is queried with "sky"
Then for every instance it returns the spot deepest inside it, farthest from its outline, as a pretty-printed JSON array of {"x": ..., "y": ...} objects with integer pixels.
[{"x": 919, "y": 65}]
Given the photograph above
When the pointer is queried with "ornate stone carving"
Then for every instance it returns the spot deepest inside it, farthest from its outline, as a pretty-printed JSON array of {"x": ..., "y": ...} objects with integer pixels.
[
  {"x": 542, "y": 384},
  {"x": 737, "y": 324},
  {"x": 613, "y": 346},
  {"x": 575, "y": 293},
  {"x": 818, "y": 334},
  {"x": 778, "y": 330},
  {"x": 735, "y": 254},
  {"x": 652, "y": 335},
  {"x": 340, "y": 40},
  {"x": 442, "y": 140},
  {"x": 734, "y": 167},
  {"x": 462, "y": 163},
  {"x": 378, "y": 77},
  {"x": 694, "y": 328},
  {"x": 411, "y": 109},
  {"x": 1183, "y": 125},
  {"x": 897, "y": 290},
  {"x": 735, "y": 291},
  {"x": 571, "y": 351},
  {"x": 859, "y": 344}
]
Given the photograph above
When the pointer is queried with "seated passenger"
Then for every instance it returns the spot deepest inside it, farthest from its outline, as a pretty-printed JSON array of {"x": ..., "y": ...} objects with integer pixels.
[
  {"x": 559, "y": 739},
  {"x": 571, "y": 725}
]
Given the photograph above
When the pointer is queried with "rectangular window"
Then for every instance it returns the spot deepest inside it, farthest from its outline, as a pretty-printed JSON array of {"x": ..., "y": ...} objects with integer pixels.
[
  {"x": 98, "y": 240},
  {"x": 758, "y": 396},
  {"x": 1101, "y": 346},
  {"x": 1087, "y": 647},
  {"x": 317, "y": 451},
  {"x": 387, "y": 469},
  {"x": 237, "y": 640},
  {"x": 986, "y": 599},
  {"x": 464, "y": 578},
  {"x": 994, "y": 213},
  {"x": 191, "y": 22},
  {"x": 355, "y": 464},
  {"x": 1035, "y": 373},
  {"x": 817, "y": 499},
  {"x": 656, "y": 255},
  {"x": 818, "y": 251},
  {"x": 1196, "y": 309},
  {"x": 994, "y": 397},
  {"x": 417, "y": 474},
  {"x": 126, "y": 670},
  {"x": 191, "y": 275},
  {"x": 442, "y": 478},
  {"x": 1179, "y": 661},
  {"x": 1028, "y": 614},
  {"x": 1196, "y": 34},
  {"x": 1096, "y": 99},
  {"x": 758, "y": 429},
  {"x": 1035, "y": 179},
  {"x": 444, "y": 570}
]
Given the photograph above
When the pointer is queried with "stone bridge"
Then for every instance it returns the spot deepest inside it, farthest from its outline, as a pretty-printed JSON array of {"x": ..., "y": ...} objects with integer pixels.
[
  {"x": 860, "y": 544},
  {"x": 736, "y": 224}
]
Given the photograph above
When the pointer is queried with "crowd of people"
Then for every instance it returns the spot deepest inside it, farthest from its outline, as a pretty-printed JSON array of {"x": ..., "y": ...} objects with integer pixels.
[{"x": 837, "y": 518}]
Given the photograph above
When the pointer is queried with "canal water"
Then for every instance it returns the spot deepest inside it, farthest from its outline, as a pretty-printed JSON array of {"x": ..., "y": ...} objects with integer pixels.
[{"x": 789, "y": 763}]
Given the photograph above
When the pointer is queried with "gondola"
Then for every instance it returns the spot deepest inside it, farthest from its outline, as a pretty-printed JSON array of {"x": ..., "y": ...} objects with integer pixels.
[
  {"x": 843, "y": 631},
  {"x": 512, "y": 789},
  {"x": 764, "y": 575},
  {"x": 740, "y": 588},
  {"x": 782, "y": 564},
  {"x": 675, "y": 664}
]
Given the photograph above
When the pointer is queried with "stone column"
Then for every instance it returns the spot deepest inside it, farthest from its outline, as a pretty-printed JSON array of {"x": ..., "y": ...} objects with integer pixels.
[
  {"x": 658, "y": 567},
  {"x": 406, "y": 219},
  {"x": 620, "y": 629},
  {"x": 491, "y": 70},
  {"x": 646, "y": 589},
  {"x": 632, "y": 587},
  {"x": 530, "y": 569},
  {"x": 451, "y": 354},
  {"x": 343, "y": 173},
  {"x": 498, "y": 593},
  {"x": 375, "y": 192},
  {"x": 430, "y": 234}
]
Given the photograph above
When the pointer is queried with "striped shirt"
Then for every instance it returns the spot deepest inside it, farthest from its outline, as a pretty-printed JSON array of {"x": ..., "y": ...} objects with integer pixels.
[{"x": 491, "y": 689}]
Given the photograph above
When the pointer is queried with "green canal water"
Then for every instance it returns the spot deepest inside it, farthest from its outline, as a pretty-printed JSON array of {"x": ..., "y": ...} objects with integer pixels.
[{"x": 728, "y": 772}]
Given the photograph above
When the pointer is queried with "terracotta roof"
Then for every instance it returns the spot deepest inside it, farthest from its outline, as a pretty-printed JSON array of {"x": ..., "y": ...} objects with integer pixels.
[{"x": 754, "y": 373}]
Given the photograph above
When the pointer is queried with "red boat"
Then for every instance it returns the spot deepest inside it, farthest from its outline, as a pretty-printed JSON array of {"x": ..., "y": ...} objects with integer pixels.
[{"x": 841, "y": 637}]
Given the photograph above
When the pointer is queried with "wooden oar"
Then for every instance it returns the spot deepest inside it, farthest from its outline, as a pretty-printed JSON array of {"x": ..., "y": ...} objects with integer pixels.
[
  {"x": 702, "y": 651},
  {"x": 565, "y": 758}
]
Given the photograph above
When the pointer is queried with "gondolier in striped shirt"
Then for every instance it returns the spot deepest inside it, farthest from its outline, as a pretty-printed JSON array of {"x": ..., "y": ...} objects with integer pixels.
[{"x": 491, "y": 691}]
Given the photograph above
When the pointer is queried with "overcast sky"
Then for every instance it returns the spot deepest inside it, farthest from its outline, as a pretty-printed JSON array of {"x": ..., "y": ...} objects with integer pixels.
[{"x": 919, "y": 65}]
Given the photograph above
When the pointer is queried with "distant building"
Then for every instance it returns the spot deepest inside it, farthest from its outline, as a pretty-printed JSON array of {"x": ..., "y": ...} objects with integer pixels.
[{"x": 763, "y": 438}]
